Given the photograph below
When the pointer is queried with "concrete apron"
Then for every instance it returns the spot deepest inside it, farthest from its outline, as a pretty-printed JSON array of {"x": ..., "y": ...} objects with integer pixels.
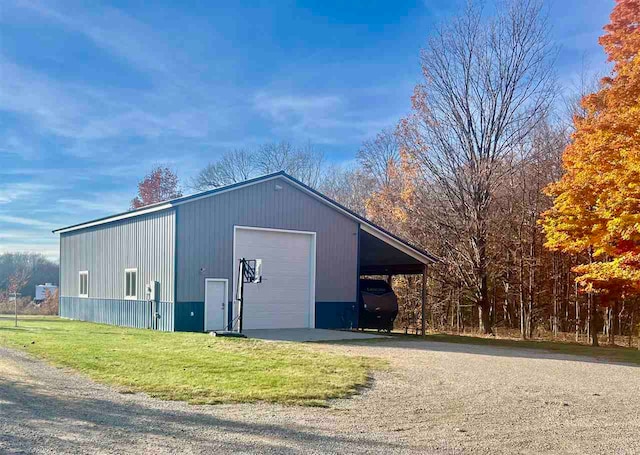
[{"x": 303, "y": 335}]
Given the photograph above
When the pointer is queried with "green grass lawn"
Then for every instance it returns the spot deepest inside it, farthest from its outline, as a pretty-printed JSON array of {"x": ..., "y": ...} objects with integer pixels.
[
  {"x": 192, "y": 367},
  {"x": 606, "y": 353}
]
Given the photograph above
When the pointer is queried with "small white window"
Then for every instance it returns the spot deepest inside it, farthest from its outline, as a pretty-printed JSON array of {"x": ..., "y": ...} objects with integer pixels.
[
  {"x": 131, "y": 283},
  {"x": 83, "y": 286}
]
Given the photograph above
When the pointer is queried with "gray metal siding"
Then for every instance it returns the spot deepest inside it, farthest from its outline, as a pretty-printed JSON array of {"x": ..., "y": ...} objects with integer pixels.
[
  {"x": 126, "y": 313},
  {"x": 145, "y": 242},
  {"x": 205, "y": 237}
]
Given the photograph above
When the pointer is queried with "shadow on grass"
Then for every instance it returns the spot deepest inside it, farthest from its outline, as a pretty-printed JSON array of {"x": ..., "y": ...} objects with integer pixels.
[
  {"x": 504, "y": 348},
  {"x": 33, "y": 419}
]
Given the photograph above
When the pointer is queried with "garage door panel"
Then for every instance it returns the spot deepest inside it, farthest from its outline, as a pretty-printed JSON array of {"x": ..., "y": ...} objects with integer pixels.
[
  {"x": 256, "y": 306},
  {"x": 287, "y": 271},
  {"x": 258, "y": 314},
  {"x": 284, "y": 298}
]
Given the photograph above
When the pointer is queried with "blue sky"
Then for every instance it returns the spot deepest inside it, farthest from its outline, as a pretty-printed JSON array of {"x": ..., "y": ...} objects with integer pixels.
[{"x": 93, "y": 94}]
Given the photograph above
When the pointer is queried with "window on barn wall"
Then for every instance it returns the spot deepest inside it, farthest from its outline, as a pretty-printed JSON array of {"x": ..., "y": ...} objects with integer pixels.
[
  {"x": 83, "y": 287},
  {"x": 131, "y": 281}
]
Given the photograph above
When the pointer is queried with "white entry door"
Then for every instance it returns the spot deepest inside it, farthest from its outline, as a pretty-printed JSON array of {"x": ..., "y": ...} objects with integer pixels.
[
  {"x": 286, "y": 296},
  {"x": 215, "y": 303}
]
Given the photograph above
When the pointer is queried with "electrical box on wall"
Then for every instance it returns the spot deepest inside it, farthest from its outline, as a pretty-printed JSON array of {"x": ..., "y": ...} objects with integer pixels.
[{"x": 153, "y": 291}]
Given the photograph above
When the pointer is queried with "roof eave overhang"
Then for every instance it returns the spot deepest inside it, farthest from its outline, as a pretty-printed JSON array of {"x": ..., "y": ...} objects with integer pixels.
[
  {"x": 164, "y": 205},
  {"x": 368, "y": 226},
  {"x": 365, "y": 224},
  {"x": 397, "y": 244},
  {"x": 111, "y": 219}
]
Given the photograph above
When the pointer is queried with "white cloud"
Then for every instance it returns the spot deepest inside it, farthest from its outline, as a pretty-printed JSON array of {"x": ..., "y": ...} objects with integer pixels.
[
  {"x": 33, "y": 236},
  {"x": 50, "y": 249},
  {"x": 282, "y": 107},
  {"x": 320, "y": 119},
  {"x": 111, "y": 30},
  {"x": 10, "y": 219},
  {"x": 103, "y": 203},
  {"x": 79, "y": 112},
  {"x": 10, "y": 192}
]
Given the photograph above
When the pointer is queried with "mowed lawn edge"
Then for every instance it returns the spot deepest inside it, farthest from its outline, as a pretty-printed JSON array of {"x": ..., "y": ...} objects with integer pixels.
[
  {"x": 192, "y": 367},
  {"x": 603, "y": 353}
]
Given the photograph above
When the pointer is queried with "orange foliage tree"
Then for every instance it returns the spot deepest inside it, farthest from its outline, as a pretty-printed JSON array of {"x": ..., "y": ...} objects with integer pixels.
[
  {"x": 161, "y": 184},
  {"x": 597, "y": 201}
]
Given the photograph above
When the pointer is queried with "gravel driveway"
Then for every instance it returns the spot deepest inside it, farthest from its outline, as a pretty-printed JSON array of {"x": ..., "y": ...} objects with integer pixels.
[{"x": 435, "y": 398}]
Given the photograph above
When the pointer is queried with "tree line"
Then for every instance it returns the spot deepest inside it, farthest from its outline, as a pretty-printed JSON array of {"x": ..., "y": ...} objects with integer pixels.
[{"x": 26, "y": 270}]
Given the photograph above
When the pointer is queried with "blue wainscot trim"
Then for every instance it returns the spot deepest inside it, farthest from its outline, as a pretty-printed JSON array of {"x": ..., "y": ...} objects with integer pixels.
[
  {"x": 189, "y": 317},
  {"x": 336, "y": 315},
  {"x": 126, "y": 313}
]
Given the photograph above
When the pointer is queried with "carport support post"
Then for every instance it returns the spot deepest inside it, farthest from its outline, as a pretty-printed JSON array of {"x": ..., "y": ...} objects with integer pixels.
[{"x": 424, "y": 299}]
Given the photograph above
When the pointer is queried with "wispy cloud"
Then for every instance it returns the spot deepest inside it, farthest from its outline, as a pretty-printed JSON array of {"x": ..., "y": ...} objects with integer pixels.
[
  {"x": 111, "y": 30},
  {"x": 79, "y": 112},
  {"x": 14, "y": 144},
  {"x": 102, "y": 203},
  {"x": 49, "y": 249},
  {"x": 328, "y": 119},
  {"x": 283, "y": 107},
  {"x": 30, "y": 222},
  {"x": 10, "y": 192}
]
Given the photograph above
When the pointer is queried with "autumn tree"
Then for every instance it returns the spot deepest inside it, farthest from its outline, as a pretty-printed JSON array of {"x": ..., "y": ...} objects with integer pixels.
[
  {"x": 487, "y": 86},
  {"x": 161, "y": 184},
  {"x": 390, "y": 178},
  {"x": 597, "y": 201}
]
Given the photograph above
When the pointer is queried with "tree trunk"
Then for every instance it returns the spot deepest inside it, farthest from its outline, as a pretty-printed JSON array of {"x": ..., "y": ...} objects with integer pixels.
[
  {"x": 577, "y": 313},
  {"x": 484, "y": 304},
  {"x": 484, "y": 316},
  {"x": 532, "y": 278},
  {"x": 523, "y": 331},
  {"x": 554, "y": 323},
  {"x": 633, "y": 314},
  {"x": 593, "y": 312},
  {"x": 613, "y": 310},
  {"x": 593, "y": 326}
]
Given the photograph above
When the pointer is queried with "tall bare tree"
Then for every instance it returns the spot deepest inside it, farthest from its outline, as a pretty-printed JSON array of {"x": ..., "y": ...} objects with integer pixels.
[
  {"x": 379, "y": 156},
  {"x": 235, "y": 166},
  {"x": 349, "y": 187},
  {"x": 302, "y": 162},
  {"x": 488, "y": 83}
]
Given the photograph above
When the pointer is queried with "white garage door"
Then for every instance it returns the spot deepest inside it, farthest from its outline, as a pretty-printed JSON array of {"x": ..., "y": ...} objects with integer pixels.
[{"x": 285, "y": 298}]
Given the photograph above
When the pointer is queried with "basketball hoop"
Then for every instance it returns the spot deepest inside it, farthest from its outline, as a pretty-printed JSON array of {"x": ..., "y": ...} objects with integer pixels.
[
  {"x": 249, "y": 271},
  {"x": 252, "y": 272}
]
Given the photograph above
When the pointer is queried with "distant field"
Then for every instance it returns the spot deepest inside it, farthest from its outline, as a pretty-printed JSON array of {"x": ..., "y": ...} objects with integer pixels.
[{"x": 190, "y": 367}]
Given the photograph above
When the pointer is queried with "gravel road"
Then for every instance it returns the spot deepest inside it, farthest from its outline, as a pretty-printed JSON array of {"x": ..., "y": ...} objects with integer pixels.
[{"x": 436, "y": 398}]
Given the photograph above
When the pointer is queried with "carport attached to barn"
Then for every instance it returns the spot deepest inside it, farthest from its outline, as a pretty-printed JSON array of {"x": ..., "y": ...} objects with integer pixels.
[{"x": 387, "y": 255}]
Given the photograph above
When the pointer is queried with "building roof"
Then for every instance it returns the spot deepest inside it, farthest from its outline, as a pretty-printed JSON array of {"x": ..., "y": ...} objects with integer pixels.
[{"x": 366, "y": 225}]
